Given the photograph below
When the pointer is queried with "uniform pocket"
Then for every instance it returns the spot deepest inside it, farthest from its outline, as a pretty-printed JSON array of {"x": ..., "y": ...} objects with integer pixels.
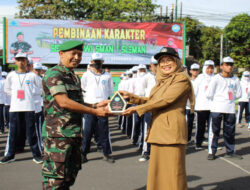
[{"x": 55, "y": 154}]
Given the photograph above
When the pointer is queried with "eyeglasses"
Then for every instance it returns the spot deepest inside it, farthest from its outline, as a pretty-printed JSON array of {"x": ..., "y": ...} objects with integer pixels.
[{"x": 165, "y": 61}]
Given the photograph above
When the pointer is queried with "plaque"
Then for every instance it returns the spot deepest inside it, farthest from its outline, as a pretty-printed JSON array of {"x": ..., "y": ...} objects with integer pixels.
[{"x": 117, "y": 104}]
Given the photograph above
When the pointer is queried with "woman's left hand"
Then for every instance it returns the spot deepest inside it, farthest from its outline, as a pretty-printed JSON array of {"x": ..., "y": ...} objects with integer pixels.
[{"x": 129, "y": 111}]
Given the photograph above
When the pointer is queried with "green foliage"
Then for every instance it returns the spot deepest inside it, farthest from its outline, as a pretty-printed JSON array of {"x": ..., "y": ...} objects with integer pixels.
[
  {"x": 194, "y": 28},
  {"x": 238, "y": 34},
  {"x": 112, "y": 10},
  {"x": 210, "y": 42}
]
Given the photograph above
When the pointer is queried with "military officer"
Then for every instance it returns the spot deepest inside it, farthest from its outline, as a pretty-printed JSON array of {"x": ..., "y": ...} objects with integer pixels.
[{"x": 63, "y": 108}]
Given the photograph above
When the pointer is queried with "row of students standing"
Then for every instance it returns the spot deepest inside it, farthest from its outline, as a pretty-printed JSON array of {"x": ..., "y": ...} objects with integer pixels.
[
  {"x": 244, "y": 101},
  {"x": 97, "y": 85},
  {"x": 4, "y": 103},
  {"x": 139, "y": 82},
  {"x": 215, "y": 97},
  {"x": 24, "y": 88}
]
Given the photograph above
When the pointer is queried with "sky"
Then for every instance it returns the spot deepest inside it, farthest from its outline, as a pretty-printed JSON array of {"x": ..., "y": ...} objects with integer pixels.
[{"x": 209, "y": 12}]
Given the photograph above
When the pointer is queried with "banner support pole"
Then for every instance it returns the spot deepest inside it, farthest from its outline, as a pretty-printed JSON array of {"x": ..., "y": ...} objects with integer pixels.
[
  {"x": 4, "y": 43},
  {"x": 184, "y": 43}
]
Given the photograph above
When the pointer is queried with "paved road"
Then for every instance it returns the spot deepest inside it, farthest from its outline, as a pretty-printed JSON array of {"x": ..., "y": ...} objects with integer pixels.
[{"x": 129, "y": 174}]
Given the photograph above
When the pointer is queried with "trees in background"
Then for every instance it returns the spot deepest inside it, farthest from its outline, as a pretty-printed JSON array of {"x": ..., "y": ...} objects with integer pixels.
[
  {"x": 203, "y": 41},
  {"x": 210, "y": 44},
  {"x": 112, "y": 10},
  {"x": 238, "y": 35}
]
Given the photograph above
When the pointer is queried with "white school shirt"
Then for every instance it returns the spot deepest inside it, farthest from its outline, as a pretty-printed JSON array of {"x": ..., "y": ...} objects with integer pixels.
[
  {"x": 245, "y": 87},
  {"x": 121, "y": 85},
  {"x": 188, "y": 102},
  {"x": 125, "y": 85},
  {"x": 131, "y": 85},
  {"x": 37, "y": 91},
  {"x": 140, "y": 85},
  {"x": 96, "y": 87},
  {"x": 20, "y": 81},
  {"x": 2, "y": 91},
  {"x": 150, "y": 83},
  {"x": 200, "y": 87},
  {"x": 223, "y": 92},
  {"x": 6, "y": 97}
]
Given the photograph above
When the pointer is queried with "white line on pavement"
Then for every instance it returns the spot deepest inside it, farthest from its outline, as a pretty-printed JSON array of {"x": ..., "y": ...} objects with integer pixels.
[
  {"x": 232, "y": 163},
  {"x": 236, "y": 165}
]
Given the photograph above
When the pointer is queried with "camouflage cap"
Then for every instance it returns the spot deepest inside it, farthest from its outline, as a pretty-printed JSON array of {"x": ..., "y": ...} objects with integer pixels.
[
  {"x": 19, "y": 33},
  {"x": 72, "y": 44}
]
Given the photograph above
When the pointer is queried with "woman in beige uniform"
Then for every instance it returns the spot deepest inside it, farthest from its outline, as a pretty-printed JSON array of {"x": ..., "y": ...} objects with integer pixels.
[{"x": 168, "y": 131}]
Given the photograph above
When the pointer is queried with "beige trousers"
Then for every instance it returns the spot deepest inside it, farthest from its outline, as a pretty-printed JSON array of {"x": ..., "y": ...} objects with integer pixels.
[{"x": 167, "y": 170}]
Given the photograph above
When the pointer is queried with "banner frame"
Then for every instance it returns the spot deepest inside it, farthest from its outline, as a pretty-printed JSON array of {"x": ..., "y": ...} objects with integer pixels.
[{"x": 184, "y": 43}]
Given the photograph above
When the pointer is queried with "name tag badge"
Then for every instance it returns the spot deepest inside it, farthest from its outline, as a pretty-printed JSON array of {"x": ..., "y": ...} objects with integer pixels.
[
  {"x": 20, "y": 94},
  {"x": 230, "y": 95},
  {"x": 206, "y": 88}
]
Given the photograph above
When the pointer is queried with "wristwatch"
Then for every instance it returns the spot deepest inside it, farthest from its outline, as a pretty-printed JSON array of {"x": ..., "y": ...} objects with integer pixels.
[{"x": 94, "y": 106}]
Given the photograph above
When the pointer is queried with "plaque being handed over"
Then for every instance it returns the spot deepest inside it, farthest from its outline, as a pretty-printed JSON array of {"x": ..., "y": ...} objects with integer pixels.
[{"x": 117, "y": 104}]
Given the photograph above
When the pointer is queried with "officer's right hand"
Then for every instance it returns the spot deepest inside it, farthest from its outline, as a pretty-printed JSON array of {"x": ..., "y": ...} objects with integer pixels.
[
  {"x": 125, "y": 94},
  {"x": 103, "y": 112}
]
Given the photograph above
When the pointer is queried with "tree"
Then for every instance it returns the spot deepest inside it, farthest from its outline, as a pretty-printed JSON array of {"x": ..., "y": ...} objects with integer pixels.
[
  {"x": 112, "y": 10},
  {"x": 210, "y": 43},
  {"x": 238, "y": 34},
  {"x": 194, "y": 28}
]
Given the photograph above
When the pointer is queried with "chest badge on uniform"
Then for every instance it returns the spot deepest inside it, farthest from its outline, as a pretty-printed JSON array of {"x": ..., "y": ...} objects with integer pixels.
[
  {"x": 27, "y": 81},
  {"x": 103, "y": 82}
]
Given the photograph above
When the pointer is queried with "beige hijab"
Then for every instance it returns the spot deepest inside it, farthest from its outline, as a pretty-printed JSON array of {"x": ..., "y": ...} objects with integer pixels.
[{"x": 163, "y": 77}]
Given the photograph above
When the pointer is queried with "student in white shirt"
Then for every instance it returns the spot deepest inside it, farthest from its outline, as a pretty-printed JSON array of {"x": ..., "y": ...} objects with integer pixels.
[
  {"x": 19, "y": 84},
  {"x": 6, "y": 103},
  {"x": 97, "y": 85},
  {"x": 130, "y": 88},
  {"x": 194, "y": 71},
  {"x": 202, "y": 103},
  {"x": 39, "y": 118},
  {"x": 121, "y": 118},
  {"x": 1, "y": 102},
  {"x": 139, "y": 90},
  {"x": 149, "y": 82},
  {"x": 244, "y": 100},
  {"x": 222, "y": 91},
  {"x": 123, "y": 85}
]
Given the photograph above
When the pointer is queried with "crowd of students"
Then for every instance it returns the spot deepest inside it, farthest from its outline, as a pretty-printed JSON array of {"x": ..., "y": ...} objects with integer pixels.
[
  {"x": 215, "y": 97},
  {"x": 22, "y": 98},
  {"x": 21, "y": 106}
]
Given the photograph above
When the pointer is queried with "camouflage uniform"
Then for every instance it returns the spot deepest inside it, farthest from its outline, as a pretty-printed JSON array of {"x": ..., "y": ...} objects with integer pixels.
[
  {"x": 61, "y": 131},
  {"x": 24, "y": 46}
]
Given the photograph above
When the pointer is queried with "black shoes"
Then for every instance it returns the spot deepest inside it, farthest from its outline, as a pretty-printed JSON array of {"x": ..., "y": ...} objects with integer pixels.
[
  {"x": 109, "y": 159},
  {"x": 234, "y": 156},
  {"x": 7, "y": 159},
  {"x": 84, "y": 159},
  {"x": 144, "y": 158},
  {"x": 198, "y": 147},
  {"x": 38, "y": 160},
  {"x": 211, "y": 157}
]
